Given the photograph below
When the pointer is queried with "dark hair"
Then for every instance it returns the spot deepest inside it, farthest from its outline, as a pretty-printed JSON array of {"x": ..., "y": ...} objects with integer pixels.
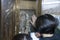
[
  {"x": 22, "y": 37},
  {"x": 46, "y": 24}
]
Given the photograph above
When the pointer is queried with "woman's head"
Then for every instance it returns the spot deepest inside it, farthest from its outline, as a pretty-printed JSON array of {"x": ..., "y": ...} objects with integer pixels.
[
  {"x": 46, "y": 24},
  {"x": 22, "y": 37}
]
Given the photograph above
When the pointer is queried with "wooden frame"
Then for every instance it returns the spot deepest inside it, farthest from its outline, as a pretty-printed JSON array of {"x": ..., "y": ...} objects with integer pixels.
[
  {"x": 7, "y": 20},
  {"x": 29, "y": 0}
]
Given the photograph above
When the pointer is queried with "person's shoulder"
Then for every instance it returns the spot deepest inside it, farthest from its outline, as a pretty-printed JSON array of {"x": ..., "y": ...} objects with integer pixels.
[{"x": 56, "y": 37}]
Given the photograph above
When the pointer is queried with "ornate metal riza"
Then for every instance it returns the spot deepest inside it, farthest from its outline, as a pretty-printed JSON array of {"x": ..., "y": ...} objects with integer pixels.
[{"x": 25, "y": 16}]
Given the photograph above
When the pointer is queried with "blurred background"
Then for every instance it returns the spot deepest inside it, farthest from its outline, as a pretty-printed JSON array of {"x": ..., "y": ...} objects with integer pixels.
[{"x": 15, "y": 15}]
